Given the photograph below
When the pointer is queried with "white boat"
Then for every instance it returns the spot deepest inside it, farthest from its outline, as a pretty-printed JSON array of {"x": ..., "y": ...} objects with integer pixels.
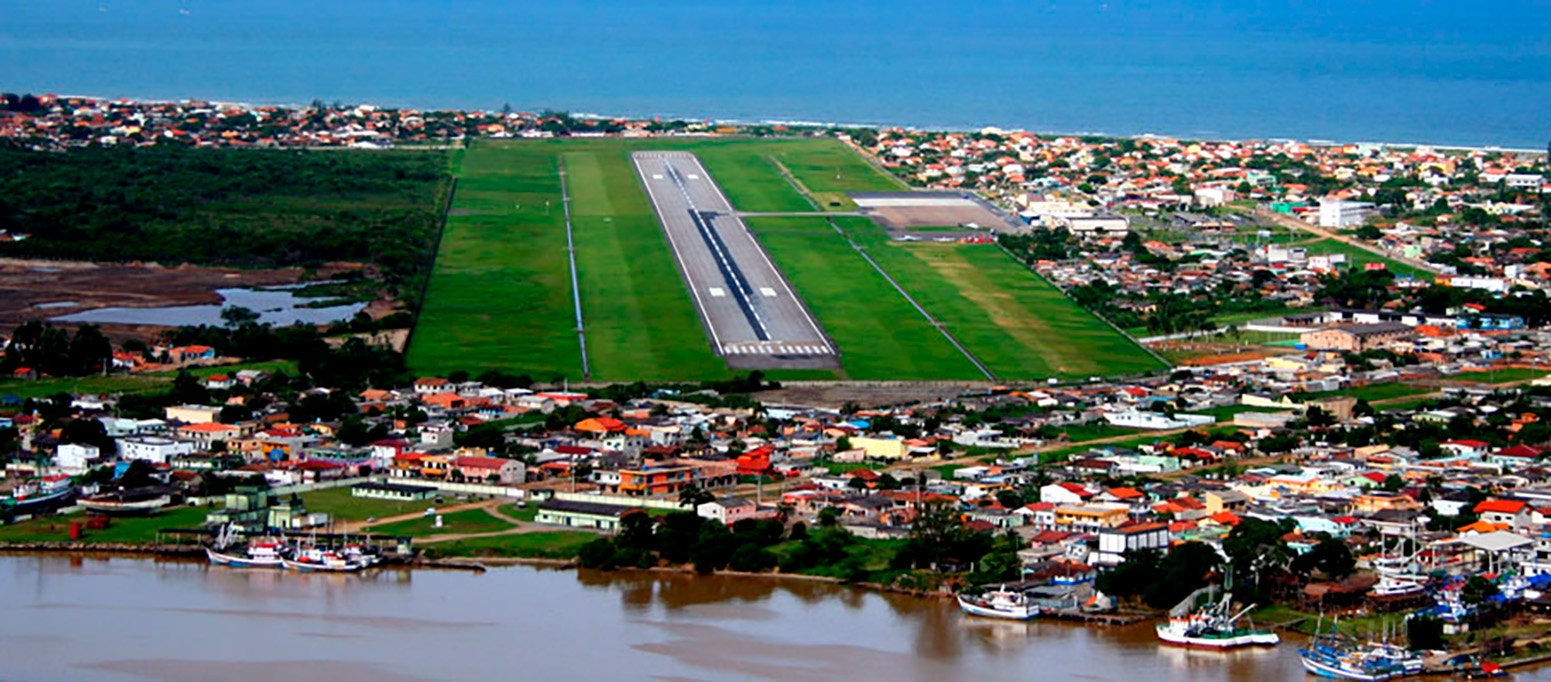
[
  {"x": 1000, "y": 603},
  {"x": 47, "y": 493},
  {"x": 1212, "y": 628},
  {"x": 254, "y": 555},
  {"x": 112, "y": 504},
  {"x": 322, "y": 560},
  {"x": 1391, "y": 587}
]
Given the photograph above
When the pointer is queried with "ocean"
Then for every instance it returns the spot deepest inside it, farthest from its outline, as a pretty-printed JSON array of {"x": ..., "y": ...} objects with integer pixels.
[{"x": 1440, "y": 72}]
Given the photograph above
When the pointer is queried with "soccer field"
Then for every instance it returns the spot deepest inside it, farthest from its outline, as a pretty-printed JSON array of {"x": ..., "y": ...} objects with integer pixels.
[{"x": 500, "y": 293}]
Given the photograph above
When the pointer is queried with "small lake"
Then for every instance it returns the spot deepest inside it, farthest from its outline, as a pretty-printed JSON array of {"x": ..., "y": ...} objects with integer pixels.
[{"x": 275, "y": 305}]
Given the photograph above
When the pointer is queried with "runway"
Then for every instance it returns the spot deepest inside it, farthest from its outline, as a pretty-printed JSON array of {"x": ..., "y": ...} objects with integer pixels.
[{"x": 751, "y": 314}]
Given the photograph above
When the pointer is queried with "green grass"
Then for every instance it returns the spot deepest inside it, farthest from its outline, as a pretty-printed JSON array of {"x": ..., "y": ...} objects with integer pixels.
[
  {"x": 466, "y": 521},
  {"x": 500, "y": 294},
  {"x": 134, "y": 530},
  {"x": 552, "y": 545},
  {"x": 880, "y": 336},
  {"x": 1357, "y": 258},
  {"x": 1370, "y": 393},
  {"x": 340, "y": 505},
  {"x": 522, "y": 512},
  {"x": 1017, "y": 324},
  {"x": 1502, "y": 376},
  {"x": 128, "y": 383}
]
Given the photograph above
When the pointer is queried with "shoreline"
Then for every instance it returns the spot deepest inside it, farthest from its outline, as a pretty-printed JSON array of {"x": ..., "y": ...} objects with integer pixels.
[{"x": 800, "y": 122}]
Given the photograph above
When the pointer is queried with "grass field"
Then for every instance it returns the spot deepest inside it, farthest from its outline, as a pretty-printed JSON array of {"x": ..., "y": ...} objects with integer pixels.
[
  {"x": 128, "y": 383},
  {"x": 466, "y": 521},
  {"x": 1018, "y": 325},
  {"x": 340, "y": 505},
  {"x": 879, "y": 334},
  {"x": 134, "y": 529},
  {"x": 1360, "y": 257},
  {"x": 547, "y": 545},
  {"x": 500, "y": 294}
]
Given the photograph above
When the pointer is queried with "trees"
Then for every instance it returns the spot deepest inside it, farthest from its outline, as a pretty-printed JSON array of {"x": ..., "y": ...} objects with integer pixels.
[
  {"x": 1331, "y": 557},
  {"x": 692, "y": 496},
  {"x": 1255, "y": 546}
]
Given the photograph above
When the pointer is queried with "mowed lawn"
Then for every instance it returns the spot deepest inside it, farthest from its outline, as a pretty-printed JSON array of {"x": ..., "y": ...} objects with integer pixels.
[
  {"x": 1018, "y": 325},
  {"x": 1359, "y": 257},
  {"x": 500, "y": 292},
  {"x": 641, "y": 323},
  {"x": 879, "y": 334}
]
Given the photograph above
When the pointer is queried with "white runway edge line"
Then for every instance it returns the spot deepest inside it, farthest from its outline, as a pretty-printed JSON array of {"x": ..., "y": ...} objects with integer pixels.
[
  {"x": 570, "y": 248},
  {"x": 678, "y": 256},
  {"x": 717, "y": 249},
  {"x": 811, "y": 323}
]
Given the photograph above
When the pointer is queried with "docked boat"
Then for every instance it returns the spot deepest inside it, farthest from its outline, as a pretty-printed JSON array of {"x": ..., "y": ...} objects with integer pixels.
[
  {"x": 1000, "y": 602},
  {"x": 1391, "y": 587},
  {"x": 263, "y": 554},
  {"x": 1372, "y": 663},
  {"x": 43, "y": 495},
  {"x": 141, "y": 501},
  {"x": 314, "y": 559},
  {"x": 1212, "y": 628}
]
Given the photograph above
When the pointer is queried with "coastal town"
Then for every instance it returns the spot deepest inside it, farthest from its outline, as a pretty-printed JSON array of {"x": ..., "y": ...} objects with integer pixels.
[{"x": 1352, "y": 429}]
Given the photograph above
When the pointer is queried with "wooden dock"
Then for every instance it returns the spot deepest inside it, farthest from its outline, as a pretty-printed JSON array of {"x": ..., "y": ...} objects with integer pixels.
[{"x": 1115, "y": 619}]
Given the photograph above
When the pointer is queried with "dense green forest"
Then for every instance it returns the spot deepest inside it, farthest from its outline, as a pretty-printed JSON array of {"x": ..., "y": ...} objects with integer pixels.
[{"x": 239, "y": 207}]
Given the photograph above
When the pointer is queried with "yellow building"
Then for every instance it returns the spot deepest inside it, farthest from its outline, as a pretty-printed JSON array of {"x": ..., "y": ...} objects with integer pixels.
[
  {"x": 880, "y": 448},
  {"x": 1092, "y": 516}
]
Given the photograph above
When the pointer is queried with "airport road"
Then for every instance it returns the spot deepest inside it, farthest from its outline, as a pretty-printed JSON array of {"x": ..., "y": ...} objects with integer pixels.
[{"x": 752, "y": 315}]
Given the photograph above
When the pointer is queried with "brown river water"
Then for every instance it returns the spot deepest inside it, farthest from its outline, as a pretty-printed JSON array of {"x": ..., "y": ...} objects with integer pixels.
[{"x": 68, "y": 618}]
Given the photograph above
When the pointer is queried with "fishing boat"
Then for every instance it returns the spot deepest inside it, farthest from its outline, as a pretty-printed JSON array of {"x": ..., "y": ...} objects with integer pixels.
[
  {"x": 45, "y": 494},
  {"x": 139, "y": 501},
  {"x": 1000, "y": 602},
  {"x": 1371, "y": 662},
  {"x": 1212, "y": 628},
  {"x": 264, "y": 553},
  {"x": 1390, "y": 587},
  {"x": 314, "y": 559}
]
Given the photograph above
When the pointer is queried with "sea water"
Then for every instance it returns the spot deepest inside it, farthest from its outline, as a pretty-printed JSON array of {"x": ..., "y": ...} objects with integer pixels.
[{"x": 1442, "y": 72}]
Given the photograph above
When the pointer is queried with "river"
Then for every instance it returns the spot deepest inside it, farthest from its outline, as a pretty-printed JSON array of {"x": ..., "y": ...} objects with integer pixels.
[{"x": 137, "y": 619}]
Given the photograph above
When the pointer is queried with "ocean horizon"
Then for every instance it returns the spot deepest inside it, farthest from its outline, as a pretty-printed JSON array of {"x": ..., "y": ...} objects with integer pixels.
[{"x": 1434, "y": 73}]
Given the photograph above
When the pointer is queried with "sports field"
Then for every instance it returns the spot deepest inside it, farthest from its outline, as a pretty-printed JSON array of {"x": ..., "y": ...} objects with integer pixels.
[{"x": 500, "y": 294}]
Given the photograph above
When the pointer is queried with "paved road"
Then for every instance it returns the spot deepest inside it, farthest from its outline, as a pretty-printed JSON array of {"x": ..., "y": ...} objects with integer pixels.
[{"x": 749, "y": 310}]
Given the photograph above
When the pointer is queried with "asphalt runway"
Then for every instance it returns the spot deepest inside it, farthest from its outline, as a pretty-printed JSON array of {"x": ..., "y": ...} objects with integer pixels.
[{"x": 752, "y": 315}]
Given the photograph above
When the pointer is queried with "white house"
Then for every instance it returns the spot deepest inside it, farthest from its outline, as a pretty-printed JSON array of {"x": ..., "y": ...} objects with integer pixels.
[
  {"x": 1063, "y": 493},
  {"x": 728, "y": 510},
  {"x": 1115, "y": 542},
  {"x": 153, "y": 449},
  {"x": 74, "y": 458}
]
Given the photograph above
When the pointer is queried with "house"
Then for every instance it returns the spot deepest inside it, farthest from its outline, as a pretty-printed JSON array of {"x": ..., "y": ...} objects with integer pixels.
[
  {"x": 153, "y": 449},
  {"x": 604, "y": 517},
  {"x": 730, "y": 510},
  {"x": 1115, "y": 542},
  {"x": 1355, "y": 337},
  {"x": 192, "y": 414},
  {"x": 431, "y": 385},
  {"x": 1064, "y": 493},
  {"x": 397, "y": 492},
  {"x": 1509, "y": 513},
  {"x": 489, "y": 469},
  {"x": 75, "y": 458},
  {"x": 205, "y": 435},
  {"x": 1091, "y": 516},
  {"x": 1229, "y": 500}
]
